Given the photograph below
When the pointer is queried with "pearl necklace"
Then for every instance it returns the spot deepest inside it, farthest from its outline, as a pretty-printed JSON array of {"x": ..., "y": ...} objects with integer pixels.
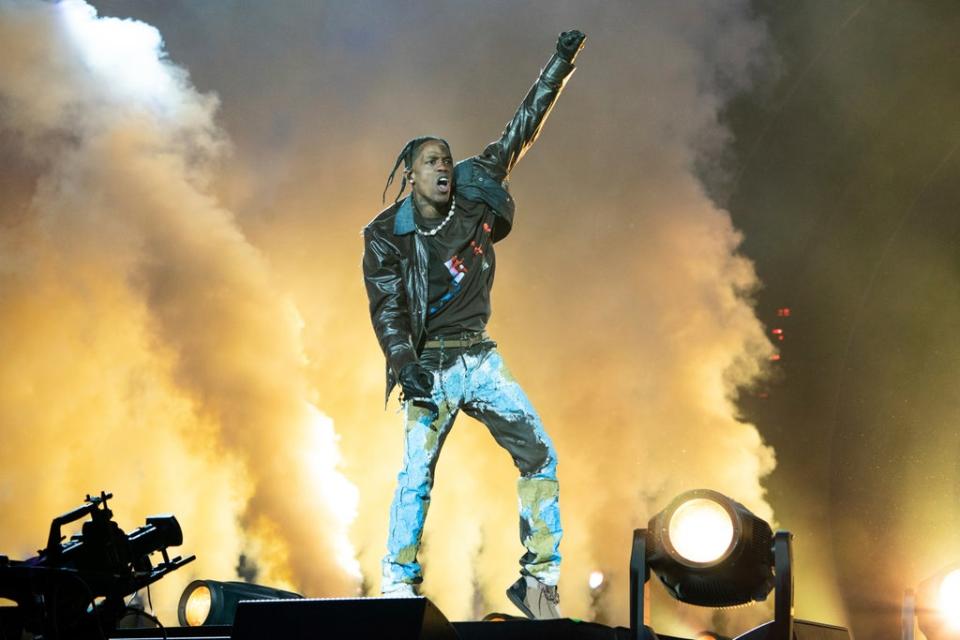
[{"x": 436, "y": 229}]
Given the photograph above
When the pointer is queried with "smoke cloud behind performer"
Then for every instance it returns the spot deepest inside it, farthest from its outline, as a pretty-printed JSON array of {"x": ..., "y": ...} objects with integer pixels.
[{"x": 429, "y": 268}]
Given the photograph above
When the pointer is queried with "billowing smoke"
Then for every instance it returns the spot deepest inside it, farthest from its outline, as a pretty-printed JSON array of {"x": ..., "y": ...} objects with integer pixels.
[
  {"x": 622, "y": 303},
  {"x": 146, "y": 347}
]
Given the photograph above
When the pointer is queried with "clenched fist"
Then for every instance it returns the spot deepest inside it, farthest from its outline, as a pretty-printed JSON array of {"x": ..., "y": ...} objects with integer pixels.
[{"x": 569, "y": 44}]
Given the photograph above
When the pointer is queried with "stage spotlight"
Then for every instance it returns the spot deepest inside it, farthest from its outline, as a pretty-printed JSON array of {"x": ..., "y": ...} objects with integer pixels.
[
  {"x": 209, "y": 602},
  {"x": 709, "y": 550},
  {"x": 196, "y": 609},
  {"x": 938, "y": 604}
]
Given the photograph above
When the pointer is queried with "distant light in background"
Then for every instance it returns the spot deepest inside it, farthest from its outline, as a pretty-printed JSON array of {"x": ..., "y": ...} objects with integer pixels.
[
  {"x": 938, "y": 604},
  {"x": 948, "y": 599},
  {"x": 596, "y": 580}
]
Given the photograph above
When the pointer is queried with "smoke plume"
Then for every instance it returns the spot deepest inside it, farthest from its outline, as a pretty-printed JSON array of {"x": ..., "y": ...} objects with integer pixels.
[{"x": 146, "y": 347}]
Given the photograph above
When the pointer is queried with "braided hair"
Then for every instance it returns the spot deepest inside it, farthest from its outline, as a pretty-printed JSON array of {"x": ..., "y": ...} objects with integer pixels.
[{"x": 406, "y": 156}]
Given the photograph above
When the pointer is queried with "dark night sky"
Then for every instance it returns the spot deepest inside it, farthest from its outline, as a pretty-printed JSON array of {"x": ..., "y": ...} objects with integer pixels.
[
  {"x": 841, "y": 170},
  {"x": 848, "y": 197}
]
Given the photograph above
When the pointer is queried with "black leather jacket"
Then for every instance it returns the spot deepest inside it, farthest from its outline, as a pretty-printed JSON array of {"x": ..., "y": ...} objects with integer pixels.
[{"x": 395, "y": 258}]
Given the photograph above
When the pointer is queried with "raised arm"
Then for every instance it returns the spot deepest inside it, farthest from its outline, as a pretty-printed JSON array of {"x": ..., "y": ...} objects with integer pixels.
[{"x": 501, "y": 156}]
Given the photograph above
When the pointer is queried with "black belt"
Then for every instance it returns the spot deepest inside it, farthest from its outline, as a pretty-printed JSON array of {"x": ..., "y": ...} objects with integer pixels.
[{"x": 464, "y": 341}]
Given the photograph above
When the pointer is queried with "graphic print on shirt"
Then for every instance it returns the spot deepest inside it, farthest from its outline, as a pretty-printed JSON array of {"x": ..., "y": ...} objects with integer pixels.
[
  {"x": 455, "y": 266},
  {"x": 458, "y": 269}
]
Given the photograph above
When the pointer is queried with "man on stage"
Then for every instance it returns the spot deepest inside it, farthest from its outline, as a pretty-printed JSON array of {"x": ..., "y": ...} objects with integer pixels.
[{"x": 428, "y": 266}]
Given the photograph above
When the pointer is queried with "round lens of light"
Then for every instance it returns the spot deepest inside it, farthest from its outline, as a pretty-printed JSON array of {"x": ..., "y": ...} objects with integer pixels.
[
  {"x": 198, "y": 606},
  {"x": 701, "y": 530},
  {"x": 948, "y": 599}
]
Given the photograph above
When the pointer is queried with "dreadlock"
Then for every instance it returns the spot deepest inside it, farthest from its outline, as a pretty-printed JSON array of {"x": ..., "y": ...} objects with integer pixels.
[{"x": 407, "y": 154}]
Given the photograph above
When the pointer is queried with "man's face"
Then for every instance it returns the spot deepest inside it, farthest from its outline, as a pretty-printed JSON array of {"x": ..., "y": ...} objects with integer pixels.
[{"x": 431, "y": 175}]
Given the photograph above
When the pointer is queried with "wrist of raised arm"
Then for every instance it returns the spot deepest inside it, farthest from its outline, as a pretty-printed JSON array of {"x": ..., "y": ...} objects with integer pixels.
[{"x": 556, "y": 71}]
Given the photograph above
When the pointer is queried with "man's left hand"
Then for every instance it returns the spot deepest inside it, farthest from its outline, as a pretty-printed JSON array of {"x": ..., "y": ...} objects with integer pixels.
[{"x": 417, "y": 385}]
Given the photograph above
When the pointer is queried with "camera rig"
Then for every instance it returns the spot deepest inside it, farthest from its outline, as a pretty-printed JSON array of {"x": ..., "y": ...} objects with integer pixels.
[{"x": 76, "y": 588}]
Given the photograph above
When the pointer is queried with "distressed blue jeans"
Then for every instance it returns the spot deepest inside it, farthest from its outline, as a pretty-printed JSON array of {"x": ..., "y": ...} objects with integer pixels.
[{"x": 478, "y": 382}]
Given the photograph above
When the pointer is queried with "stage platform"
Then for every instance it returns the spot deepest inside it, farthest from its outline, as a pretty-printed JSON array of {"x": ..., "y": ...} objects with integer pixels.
[{"x": 505, "y": 630}]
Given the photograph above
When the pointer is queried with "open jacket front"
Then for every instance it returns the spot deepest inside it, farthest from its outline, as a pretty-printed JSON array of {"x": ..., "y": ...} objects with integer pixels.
[{"x": 395, "y": 257}]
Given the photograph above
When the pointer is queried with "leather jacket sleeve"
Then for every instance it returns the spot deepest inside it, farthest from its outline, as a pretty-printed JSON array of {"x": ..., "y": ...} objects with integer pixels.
[
  {"x": 388, "y": 302},
  {"x": 501, "y": 156}
]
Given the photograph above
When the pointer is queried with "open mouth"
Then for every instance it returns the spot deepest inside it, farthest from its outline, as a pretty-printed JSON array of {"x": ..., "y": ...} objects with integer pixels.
[{"x": 443, "y": 184}]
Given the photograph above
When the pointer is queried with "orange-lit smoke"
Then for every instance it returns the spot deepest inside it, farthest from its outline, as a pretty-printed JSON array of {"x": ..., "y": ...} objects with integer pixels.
[{"x": 146, "y": 348}]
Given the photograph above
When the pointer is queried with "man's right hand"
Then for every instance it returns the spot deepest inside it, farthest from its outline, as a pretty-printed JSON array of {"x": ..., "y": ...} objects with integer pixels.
[
  {"x": 417, "y": 384},
  {"x": 569, "y": 44}
]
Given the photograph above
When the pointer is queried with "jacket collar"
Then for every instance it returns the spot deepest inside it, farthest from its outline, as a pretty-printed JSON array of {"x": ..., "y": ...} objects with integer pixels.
[{"x": 404, "y": 223}]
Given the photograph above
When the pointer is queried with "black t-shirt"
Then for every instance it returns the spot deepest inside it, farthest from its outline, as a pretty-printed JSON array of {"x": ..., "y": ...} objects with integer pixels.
[{"x": 460, "y": 271}]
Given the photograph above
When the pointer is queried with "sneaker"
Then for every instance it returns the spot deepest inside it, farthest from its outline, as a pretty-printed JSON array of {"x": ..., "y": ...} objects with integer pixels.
[
  {"x": 537, "y": 600},
  {"x": 401, "y": 590}
]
